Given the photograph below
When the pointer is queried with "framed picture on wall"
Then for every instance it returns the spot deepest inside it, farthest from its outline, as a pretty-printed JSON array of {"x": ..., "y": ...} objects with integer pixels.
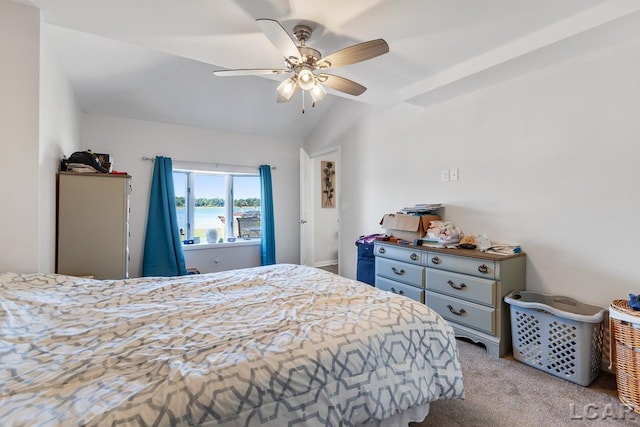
[{"x": 328, "y": 180}]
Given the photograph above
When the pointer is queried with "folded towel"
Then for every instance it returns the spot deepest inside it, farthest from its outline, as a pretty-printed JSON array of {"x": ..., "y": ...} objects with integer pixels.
[{"x": 634, "y": 301}]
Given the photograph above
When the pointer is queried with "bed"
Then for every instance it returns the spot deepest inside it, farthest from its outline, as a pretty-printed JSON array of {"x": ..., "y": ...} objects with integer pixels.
[{"x": 276, "y": 345}]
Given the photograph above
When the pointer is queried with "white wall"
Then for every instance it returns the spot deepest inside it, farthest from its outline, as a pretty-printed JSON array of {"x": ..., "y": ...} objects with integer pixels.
[
  {"x": 19, "y": 53},
  {"x": 130, "y": 140},
  {"x": 60, "y": 134},
  {"x": 40, "y": 121},
  {"x": 547, "y": 160},
  {"x": 224, "y": 257}
]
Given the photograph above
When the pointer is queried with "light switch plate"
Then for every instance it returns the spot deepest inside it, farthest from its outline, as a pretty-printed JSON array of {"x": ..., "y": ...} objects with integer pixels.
[{"x": 453, "y": 174}]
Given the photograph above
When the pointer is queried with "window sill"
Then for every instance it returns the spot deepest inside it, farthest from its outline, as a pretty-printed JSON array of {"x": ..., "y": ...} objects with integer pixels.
[{"x": 240, "y": 242}]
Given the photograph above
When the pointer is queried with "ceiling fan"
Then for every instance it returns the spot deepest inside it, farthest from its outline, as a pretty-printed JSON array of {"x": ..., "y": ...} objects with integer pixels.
[{"x": 307, "y": 64}]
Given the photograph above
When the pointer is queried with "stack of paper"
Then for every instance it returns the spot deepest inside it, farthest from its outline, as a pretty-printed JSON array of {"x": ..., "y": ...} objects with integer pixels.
[
  {"x": 504, "y": 249},
  {"x": 421, "y": 208}
]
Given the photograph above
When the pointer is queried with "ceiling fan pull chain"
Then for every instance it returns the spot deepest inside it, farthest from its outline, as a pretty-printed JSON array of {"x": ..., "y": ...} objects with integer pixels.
[{"x": 303, "y": 101}]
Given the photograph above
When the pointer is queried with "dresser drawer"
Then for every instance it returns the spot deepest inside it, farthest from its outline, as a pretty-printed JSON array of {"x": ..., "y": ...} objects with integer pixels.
[
  {"x": 400, "y": 289},
  {"x": 401, "y": 254},
  {"x": 473, "y": 266},
  {"x": 470, "y": 288},
  {"x": 463, "y": 312},
  {"x": 395, "y": 270}
]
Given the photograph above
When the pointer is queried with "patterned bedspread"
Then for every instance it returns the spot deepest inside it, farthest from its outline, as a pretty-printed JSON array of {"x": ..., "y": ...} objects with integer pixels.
[{"x": 261, "y": 346}]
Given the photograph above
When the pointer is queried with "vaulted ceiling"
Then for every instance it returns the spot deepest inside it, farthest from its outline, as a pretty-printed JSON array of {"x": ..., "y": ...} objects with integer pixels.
[{"x": 153, "y": 59}]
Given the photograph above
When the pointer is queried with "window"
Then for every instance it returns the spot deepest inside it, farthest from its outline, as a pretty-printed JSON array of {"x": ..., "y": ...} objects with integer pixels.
[{"x": 214, "y": 207}]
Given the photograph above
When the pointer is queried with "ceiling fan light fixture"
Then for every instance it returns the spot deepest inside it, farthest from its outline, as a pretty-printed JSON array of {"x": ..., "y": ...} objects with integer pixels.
[
  {"x": 306, "y": 79},
  {"x": 287, "y": 88},
  {"x": 318, "y": 92},
  {"x": 304, "y": 61}
]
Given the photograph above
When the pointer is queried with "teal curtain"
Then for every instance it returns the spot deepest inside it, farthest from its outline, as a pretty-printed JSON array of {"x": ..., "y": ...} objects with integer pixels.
[
  {"x": 163, "y": 255},
  {"x": 268, "y": 250}
]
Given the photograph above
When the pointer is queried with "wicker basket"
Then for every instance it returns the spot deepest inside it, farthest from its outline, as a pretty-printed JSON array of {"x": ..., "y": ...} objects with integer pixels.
[{"x": 625, "y": 330}]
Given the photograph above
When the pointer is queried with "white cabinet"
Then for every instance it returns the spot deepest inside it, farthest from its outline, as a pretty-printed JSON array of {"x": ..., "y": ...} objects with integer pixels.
[
  {"x": 93, "y": 225},
  {"x": 465, "y": 287}
]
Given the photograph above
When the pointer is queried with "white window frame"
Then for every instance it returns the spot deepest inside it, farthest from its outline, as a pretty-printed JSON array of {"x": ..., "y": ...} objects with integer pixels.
[{"x": 190, "y": 206}]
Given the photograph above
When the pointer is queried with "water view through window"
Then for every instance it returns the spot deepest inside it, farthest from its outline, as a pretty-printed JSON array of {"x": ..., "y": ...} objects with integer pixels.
[{"x": 208, "y": 215}]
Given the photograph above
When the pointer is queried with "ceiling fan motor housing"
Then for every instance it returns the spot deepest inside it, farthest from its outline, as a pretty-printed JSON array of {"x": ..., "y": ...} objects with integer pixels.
[
  {"x": 302, "y": 33},
  {"x": 309, "y": 55}
]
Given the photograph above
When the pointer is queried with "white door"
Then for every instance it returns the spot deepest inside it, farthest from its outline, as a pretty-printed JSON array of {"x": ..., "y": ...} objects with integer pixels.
[
  {"x": 306, "y": 209},
  {"x": 319, "y": 228}
]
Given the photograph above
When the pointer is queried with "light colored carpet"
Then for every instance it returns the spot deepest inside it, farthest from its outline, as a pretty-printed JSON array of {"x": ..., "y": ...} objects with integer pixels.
[{"x": 505, "y": 392}]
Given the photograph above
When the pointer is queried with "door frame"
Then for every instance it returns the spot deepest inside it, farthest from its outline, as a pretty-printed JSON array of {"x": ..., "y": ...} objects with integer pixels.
[
  {"x": 307, "y": 236},
  {"x": 307, "y": 243}
]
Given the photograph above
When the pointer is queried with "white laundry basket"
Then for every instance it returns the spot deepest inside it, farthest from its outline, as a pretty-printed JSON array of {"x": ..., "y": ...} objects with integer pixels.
[{"x": 557, "y": 334}]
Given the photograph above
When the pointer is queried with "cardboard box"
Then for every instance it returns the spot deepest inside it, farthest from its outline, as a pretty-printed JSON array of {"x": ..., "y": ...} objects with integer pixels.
[
  {"x": 407, "y": 227},
  {"x": 426, "y": 221}
]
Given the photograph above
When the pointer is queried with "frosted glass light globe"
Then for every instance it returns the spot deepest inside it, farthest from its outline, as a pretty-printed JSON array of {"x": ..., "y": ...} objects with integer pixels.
[
  {"x": 306, "y": 79},
  {"x": 287, "y": 88}
]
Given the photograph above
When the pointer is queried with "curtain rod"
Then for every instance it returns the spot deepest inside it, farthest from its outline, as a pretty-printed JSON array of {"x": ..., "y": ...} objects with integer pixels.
[{"x": 208, "y": 163}]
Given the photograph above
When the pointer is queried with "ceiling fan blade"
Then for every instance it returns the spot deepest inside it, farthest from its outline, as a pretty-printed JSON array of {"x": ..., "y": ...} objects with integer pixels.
[
  {"x": 279, "y": 37},
  {"x": 341, "y": 84},
  {"x": 248, "y": 72},
  {"x": 356, "y": 53}
]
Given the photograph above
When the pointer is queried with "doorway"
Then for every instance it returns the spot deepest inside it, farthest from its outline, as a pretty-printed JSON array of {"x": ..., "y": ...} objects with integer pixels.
[{"x": 320, "y": 225}]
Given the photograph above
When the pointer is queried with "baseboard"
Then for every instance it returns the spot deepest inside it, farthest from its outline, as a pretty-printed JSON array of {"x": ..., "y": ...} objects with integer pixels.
[{"x": 325, "y": 263}]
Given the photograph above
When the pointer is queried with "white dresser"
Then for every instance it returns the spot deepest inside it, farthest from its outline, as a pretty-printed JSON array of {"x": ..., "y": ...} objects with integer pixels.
[
  {"x": 466, "y": 287},
  {"x": 93, "y": 225}
]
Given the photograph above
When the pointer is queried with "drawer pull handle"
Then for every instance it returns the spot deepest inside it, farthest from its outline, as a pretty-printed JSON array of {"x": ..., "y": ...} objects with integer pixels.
[
  {"x": 454, "y": 286},
  {"x": 381, "y": 250},
  {"x": 454, "y": 311},
  {"x": 400, "y": 292},
  {"x": 399, "y": 273},
  {"x": 483, "y": 269},
  {"x": 435, "y": 260},
  {"x": 413, "y": 257}
]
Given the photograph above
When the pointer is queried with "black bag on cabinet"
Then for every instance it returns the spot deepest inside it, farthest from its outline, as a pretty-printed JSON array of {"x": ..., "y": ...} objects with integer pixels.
[{"x": 83, "y": 159}]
